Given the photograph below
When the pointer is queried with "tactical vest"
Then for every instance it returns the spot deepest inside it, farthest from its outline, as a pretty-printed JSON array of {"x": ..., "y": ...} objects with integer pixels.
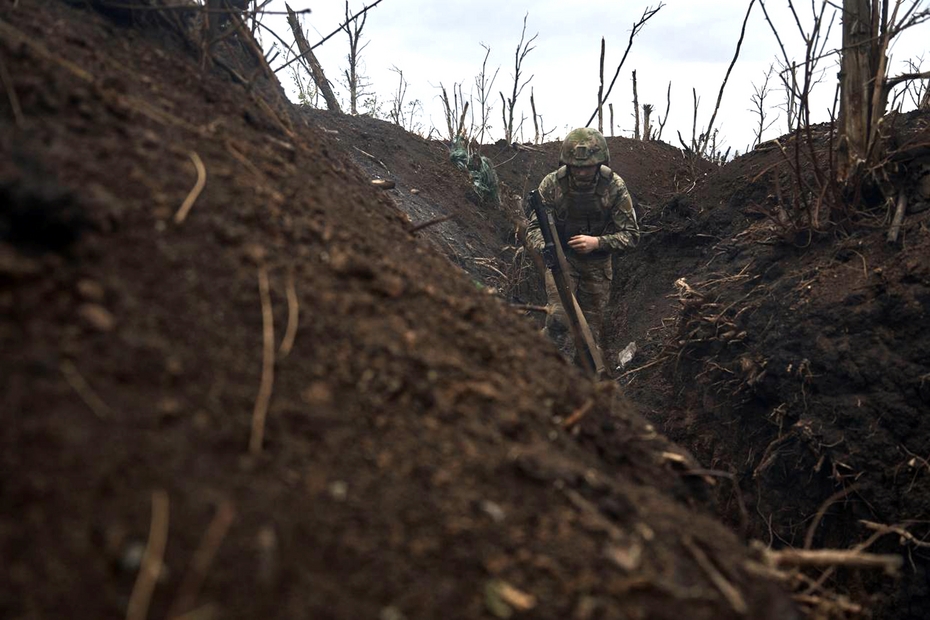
[{"x": 584, "y": 213}]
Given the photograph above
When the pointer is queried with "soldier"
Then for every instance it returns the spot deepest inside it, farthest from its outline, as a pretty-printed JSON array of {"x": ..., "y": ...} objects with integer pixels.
[{"x": 594, "y": 216}]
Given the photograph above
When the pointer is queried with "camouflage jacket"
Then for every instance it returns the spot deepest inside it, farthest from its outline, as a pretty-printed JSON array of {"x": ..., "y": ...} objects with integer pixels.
[{"x": 621, "y": 230}]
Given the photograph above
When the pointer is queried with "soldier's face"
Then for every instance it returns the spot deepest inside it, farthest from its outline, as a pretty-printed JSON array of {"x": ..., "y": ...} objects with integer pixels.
[{"x": 583, "y": 175}]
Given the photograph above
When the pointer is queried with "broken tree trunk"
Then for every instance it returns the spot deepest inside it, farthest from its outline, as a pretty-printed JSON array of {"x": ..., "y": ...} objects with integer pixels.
[
  {"x": 600, "y": 92},
  {"x": 857, "y": 72},
  {"x": 647, "y": 127},
  {"x": 635, "y": 108},
  {"x": 315, "y": 69}
]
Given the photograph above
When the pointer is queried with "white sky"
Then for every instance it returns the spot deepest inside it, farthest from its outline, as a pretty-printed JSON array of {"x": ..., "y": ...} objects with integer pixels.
[{"x": 689, "y": 43}]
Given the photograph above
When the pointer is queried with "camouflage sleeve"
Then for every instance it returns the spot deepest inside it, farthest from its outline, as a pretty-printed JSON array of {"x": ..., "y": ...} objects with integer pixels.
[
  {"x": 547, "y": 192},
  {"x": 625, "y": 229}
]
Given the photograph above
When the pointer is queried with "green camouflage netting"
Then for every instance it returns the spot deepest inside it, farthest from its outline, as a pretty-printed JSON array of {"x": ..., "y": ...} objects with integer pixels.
[{"x": 479, "y": 167}]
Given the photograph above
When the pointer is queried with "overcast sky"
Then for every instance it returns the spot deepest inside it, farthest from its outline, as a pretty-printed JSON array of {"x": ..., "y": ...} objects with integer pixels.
[{"x": 689, "y": 43}]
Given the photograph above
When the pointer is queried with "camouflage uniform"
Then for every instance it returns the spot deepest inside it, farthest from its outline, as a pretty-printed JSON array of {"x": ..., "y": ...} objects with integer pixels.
[{"x": 604, "y": 210}]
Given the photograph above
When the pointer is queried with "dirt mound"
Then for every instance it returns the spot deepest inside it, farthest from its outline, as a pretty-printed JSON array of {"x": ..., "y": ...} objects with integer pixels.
[
  {"x": 797, "y": 364},
  {"x": 169, "y": 245}
]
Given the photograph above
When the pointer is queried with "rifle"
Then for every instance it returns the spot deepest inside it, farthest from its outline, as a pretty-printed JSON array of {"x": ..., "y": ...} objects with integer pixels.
[{"x": 556, "y": 263}]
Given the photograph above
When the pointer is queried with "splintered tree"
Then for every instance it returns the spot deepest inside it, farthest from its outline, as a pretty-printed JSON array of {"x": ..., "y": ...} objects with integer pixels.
[
  {"x": 510, "y": 103},
  {"x": 313, "y": 65},
  {"x": 868, "y": 30}
]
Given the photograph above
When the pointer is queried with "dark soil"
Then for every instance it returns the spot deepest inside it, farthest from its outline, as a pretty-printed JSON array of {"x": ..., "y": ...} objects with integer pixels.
[
  {"x": 415, "y": 462},
  {"x": 799, "y": 364}
]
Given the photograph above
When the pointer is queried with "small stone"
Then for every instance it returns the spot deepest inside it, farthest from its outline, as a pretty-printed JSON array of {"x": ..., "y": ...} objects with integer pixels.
[
  {"x": 383, "y": 183},
  {"x": 255, "y": 252},
  {"x": 130, "y": 559},
  {"x": 97, "y": 317},
  {"x": 414, "y": 191},
  {"x": 317, "y": 394},
  {"x": 493, "y": 510},
  {"x": 391, "y": 613},
  {"x": 339, "y": 490},
  {"x": 91, "y": 290}
]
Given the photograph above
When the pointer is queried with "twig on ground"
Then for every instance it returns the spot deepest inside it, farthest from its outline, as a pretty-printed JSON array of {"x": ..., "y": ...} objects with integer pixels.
[
  {"x": 832, "y": 557},
  {"x": 643, "y": 367},
  {"x": 83, "y": 389},
  {"x": 531, "y": 308},
  {"x": 11, "y": 94},
  {"x": 727, "y": 589},
  {"x": 809, "y": 538},
  {"x": 895, "y": 529},
  {"x": 372, "y": 157},
  {"x": 203, "y": 558},
  {"x": 293, "y": 316},
  {"x": 895, "y": 229},
  {"x": 432, "y": 222},
  {"x": 264, "y": 392},
  {"x": 181, "y": 215},
  {"x": 577, "y": 414},
  {"x": 150, "y": 570}
]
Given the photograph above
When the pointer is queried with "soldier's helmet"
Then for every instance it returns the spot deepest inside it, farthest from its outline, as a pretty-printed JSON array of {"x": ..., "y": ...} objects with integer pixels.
[{"x": 584, "y": 147}]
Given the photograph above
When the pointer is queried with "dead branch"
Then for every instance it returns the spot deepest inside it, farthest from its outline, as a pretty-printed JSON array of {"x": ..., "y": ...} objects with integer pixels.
[
  {"x": 636, "y": 135},
  {"x": 293, "y": 316},
  {"x": 372, "y": 157},
  {"x": 727, "y": 589},
  {"x": 577, "y": 415},
  {"x": 201, "y": 561},
  {"x": 181, "y": 215},
  {"x": 83, "y": 389},
  {"x": 330, "y": 35},
  {"x": 895, "y": 529},
  {"x": 7, "y": 82},
  {"x": 150, "y": 570},
  {"x": 898, "y": 220},
  {"x": 432, "y": 222},
  {"x": 668, "y": 106},
  {"x": 702, "y": 146},
  {"x": 832, "y": 557},
  {"x": 312, "y": 64},
  {"x": 646, "y": 16},
  {"x": 264, "y": 391},
  {"x": 611, "y": 107},
  {"x": 809, "y": 537}
]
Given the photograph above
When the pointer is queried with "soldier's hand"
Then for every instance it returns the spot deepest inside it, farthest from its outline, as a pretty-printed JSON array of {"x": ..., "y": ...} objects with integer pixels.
[{"x": 583, "y": 244}]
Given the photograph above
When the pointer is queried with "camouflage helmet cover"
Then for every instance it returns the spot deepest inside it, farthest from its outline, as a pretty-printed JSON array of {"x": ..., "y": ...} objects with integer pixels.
[{"x": 584, "y": 147}]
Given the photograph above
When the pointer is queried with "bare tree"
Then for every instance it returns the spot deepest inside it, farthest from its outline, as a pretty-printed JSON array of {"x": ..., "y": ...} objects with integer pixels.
[
  {"x": 611, "y": 107},
  {"x": 354, "y": 82},
  {"x": 510, "y": 103},
  {"x": 759, "y": 108},
  {"x": 313, "y": 65},
  {"x": 484, "y": 86},
  {"x": 602, "y": 97}
]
